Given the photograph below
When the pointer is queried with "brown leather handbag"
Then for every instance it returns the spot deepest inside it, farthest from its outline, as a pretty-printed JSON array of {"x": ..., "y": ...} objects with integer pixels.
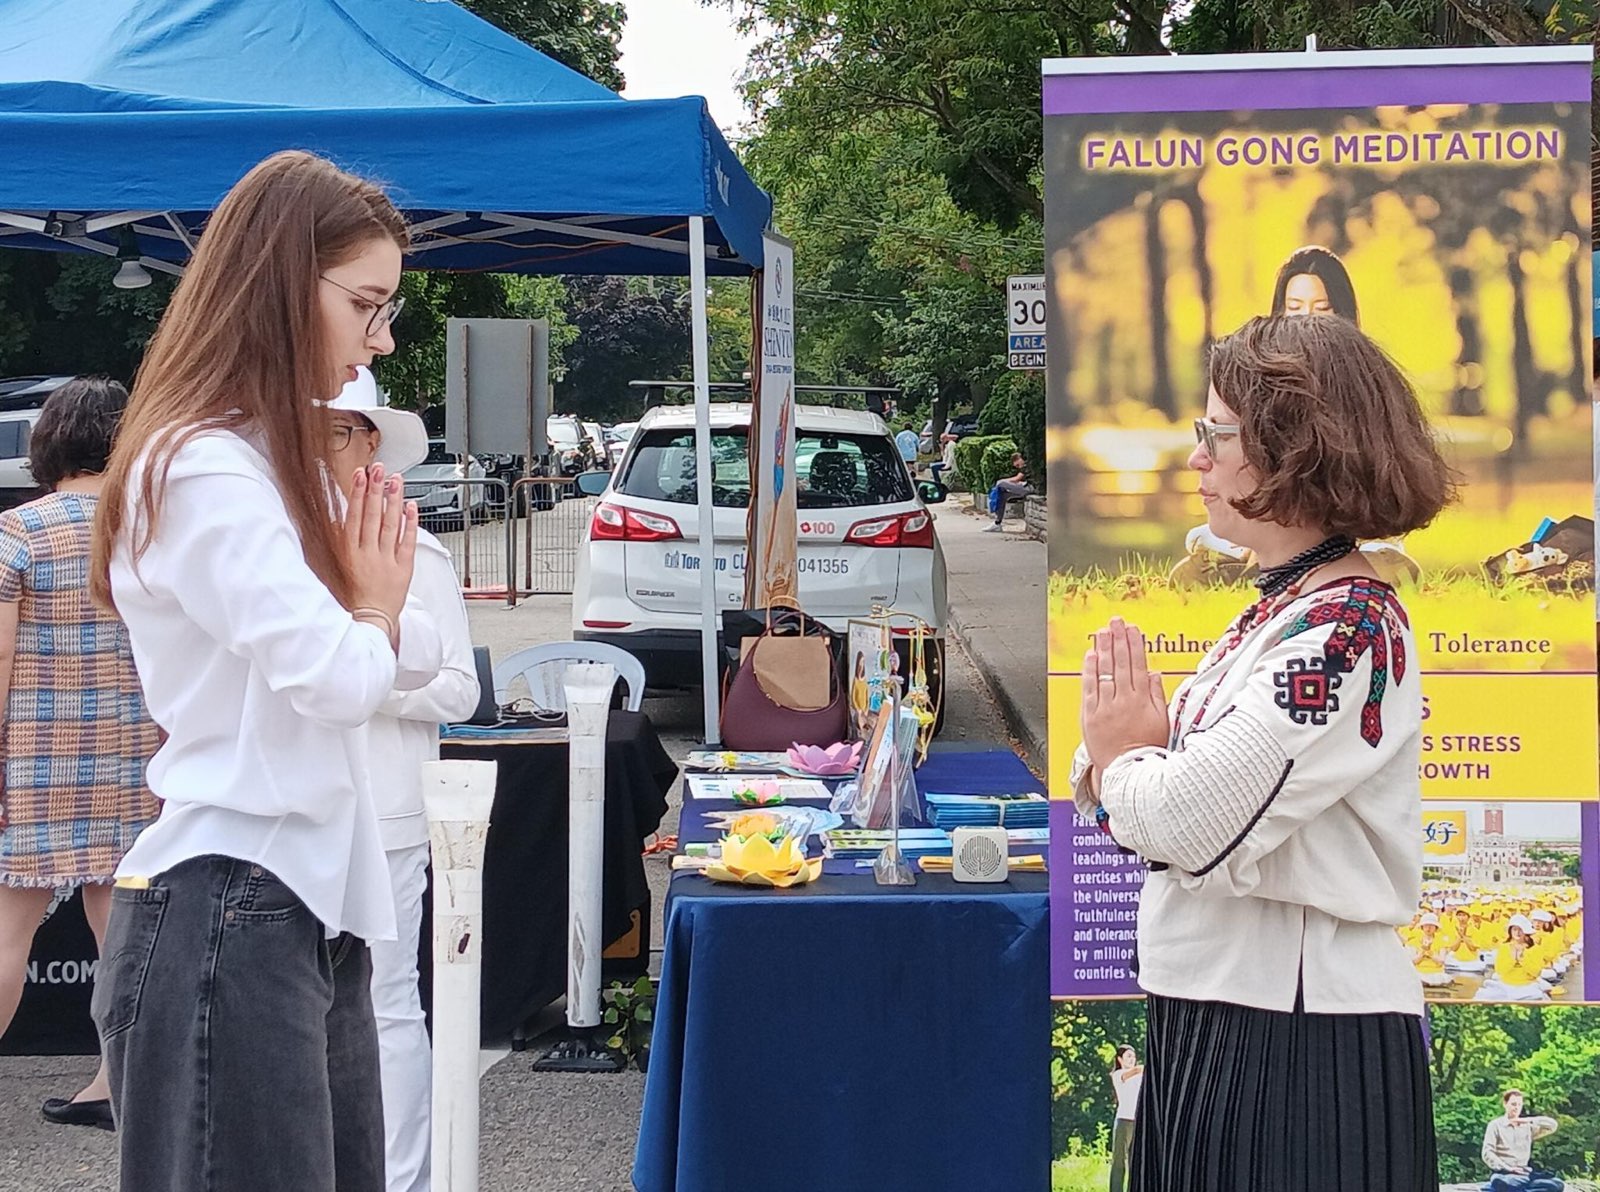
[{"x": 787, "y": 689}]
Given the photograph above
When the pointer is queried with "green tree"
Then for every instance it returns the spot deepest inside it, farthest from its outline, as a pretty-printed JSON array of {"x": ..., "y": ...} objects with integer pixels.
[
  {"x": 59, "y": 313},
  {"x": 628, "y": 329},
  {"x": 583, "y": 34}
]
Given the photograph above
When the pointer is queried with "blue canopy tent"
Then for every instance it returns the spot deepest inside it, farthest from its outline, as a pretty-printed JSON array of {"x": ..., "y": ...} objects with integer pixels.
[{"x": 136, "y": 116}]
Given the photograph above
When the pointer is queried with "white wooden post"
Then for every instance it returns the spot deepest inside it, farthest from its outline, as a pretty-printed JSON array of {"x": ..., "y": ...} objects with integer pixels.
[
  {"x": 588, "y": 689},
  {"x": 458, "y": 796}
]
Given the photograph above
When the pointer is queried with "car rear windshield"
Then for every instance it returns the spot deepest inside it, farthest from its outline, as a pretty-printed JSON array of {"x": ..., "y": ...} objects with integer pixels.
[{"x": 833, "y": 470}]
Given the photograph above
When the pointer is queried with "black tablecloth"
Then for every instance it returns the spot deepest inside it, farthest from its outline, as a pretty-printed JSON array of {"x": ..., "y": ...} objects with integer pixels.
[{"x": 525, "y": 862}]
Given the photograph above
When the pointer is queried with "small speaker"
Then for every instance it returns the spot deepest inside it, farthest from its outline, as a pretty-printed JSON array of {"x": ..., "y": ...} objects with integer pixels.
[{"x": 978, "y": 854}]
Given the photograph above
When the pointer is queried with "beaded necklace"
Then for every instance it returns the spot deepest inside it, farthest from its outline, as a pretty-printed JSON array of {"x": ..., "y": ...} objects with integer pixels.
[{"x": 1280, "y": 586}]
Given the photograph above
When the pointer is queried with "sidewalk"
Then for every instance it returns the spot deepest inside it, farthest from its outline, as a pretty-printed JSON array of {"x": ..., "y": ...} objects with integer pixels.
[{"x": 997, "y": 585}]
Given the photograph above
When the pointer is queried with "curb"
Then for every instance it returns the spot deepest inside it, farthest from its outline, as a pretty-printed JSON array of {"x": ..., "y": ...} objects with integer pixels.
[{"x": 1034, "y": 750}]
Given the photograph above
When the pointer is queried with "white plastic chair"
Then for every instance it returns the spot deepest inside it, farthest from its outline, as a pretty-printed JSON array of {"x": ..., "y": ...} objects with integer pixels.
[{"x": 543, "y": 665}]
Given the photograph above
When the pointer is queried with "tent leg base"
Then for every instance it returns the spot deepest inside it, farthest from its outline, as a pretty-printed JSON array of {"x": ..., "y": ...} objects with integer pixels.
[{"x": 581, "y": 1051}]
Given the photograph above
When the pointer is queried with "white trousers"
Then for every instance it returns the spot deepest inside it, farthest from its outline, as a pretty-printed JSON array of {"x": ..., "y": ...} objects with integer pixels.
[{"x": 404, "y": 1055}]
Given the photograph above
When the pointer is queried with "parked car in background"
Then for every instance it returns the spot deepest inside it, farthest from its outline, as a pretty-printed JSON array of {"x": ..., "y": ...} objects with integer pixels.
[
  {"x": 866, "y": 536},
  {"x": 435, "y": 485},
  {"x": 21, "y": 400},
  {"x": 571, "y": 451},
  {"x": 961, "y": 425},
  {"x": 617, "y": 440}
]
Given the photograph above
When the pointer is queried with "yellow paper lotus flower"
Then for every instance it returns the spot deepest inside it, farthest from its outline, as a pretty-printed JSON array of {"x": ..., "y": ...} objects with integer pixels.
[
  {"x": 757, "y": 860},
  {"x": 754, "y": 824},
  {"x": 761, "y": 854}
]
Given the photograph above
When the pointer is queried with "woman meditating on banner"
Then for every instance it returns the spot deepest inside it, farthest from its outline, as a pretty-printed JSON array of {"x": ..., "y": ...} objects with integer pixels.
[
  {"x": 233, "y": 1002},
  {"x": 1314, "y": 281},
  {"x": 1277, "y": 800}
]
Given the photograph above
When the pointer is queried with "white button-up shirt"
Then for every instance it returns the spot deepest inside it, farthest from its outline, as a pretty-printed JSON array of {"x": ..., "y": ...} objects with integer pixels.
[
  {"x": 262, "y": 681},
  {"x": 1285, "y": 817},
  {"x": 405, "y": 732}
]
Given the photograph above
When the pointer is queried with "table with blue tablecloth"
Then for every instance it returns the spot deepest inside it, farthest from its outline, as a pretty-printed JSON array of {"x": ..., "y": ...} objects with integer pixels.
[{"x": 848, "y": 1036}]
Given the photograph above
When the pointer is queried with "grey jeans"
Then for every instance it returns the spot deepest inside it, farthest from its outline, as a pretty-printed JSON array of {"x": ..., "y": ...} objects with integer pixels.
[
  {"x": 239, "y": 1040},
  {"x": 1008, "y": 490}
]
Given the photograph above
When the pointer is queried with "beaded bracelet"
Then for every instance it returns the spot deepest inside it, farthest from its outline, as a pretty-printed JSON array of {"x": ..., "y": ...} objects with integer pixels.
[{"x": 1102, "y": 818}]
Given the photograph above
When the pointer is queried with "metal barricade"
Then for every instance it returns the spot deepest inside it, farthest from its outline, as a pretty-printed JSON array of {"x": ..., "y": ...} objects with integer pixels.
[
  {"x": 479, "y": 543},
  {"x": 551, "y": 516}
]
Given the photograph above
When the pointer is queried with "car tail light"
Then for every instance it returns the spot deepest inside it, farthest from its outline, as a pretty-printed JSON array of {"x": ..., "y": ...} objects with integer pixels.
[
  {"x": 617, "y": 523},
  {"x": 902, "y": 529}
]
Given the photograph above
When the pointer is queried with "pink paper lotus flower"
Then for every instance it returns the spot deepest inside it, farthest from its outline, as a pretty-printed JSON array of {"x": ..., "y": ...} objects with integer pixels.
[
  {"x": 829, "y": 761},
  {"x": 760, "y": 793}
]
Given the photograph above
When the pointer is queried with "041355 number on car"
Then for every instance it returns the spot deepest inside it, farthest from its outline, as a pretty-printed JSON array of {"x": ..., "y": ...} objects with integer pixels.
[{"x": 824, "y": 566}]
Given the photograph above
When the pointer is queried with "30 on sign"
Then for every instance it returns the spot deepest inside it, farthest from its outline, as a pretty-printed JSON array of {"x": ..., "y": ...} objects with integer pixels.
[{"x": 1025, "y": 317}]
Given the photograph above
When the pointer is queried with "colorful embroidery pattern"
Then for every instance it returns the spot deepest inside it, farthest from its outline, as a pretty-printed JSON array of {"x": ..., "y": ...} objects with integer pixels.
[
  {"x": 1365, "y": 617},
  {"x": 1308, "y": 690}
]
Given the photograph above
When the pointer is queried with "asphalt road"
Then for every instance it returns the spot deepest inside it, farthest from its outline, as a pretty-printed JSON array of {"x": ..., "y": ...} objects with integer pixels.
[{"x": 545, "y": 1132}]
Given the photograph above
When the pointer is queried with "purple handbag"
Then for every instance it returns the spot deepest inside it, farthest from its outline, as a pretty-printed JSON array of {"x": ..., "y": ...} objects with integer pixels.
[{"x": 787, "y": 691}]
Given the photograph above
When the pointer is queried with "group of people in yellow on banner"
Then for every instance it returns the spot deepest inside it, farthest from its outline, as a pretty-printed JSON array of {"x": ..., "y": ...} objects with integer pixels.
[{"x": 1521, "y": 943}]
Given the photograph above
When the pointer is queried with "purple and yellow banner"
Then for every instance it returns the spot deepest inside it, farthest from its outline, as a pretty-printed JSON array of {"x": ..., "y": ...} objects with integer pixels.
[{"x": 1441, "y": 200}]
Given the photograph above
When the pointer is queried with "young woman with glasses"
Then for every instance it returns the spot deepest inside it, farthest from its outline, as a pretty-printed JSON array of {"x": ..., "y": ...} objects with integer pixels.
[{"x": 233, "y": 1002}]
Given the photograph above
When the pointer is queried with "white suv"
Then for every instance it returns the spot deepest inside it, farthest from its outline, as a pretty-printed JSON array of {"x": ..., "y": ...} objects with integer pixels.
[{"x": 865, "y": 535}]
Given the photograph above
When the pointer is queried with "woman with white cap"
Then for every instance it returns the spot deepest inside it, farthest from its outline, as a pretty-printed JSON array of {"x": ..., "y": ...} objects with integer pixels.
[
  {"x": 403, "y": 735},
  {"x": 1517, "y": 967},
  {"x": 1428, "y": 952},
  {"x": 1552, "y": 943}
]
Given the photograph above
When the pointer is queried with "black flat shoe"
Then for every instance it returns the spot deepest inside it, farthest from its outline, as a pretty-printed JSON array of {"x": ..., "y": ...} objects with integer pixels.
[{"x": 65, "y": 1112}]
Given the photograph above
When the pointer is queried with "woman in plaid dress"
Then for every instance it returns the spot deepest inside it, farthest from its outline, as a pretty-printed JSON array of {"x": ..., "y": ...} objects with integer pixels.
[{"x": 75, "y": 735}]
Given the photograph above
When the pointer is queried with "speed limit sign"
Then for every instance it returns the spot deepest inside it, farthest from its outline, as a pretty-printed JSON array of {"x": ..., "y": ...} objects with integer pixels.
[{"x": 1025, "y": 322}]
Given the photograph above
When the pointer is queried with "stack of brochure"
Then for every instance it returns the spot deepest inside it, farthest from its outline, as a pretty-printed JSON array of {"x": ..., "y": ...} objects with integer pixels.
[
  {"x": 847, "y": 843},
  {"x": 986, "y": 811}
]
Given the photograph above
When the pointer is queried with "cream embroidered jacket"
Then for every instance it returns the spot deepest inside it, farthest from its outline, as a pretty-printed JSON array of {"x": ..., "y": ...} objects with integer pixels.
[{"x": 1283, "y": 821}]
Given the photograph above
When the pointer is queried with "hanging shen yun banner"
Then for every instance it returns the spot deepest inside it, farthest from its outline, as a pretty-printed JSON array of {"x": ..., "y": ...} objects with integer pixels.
[{"x": 1441, "y": 200}]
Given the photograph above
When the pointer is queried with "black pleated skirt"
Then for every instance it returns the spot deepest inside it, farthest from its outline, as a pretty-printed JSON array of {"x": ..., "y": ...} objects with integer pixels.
[{"x": 1242, "y": 1100}]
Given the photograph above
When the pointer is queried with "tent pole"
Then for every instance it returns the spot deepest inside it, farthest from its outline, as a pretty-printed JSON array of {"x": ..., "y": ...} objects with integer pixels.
[{"x": 703, "y": 482}]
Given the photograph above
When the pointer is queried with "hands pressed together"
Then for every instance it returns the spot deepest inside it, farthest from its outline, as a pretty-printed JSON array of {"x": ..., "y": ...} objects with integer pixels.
[
  {"x": 380, "y": 528},
  {"x": 1124, "y": 705}
]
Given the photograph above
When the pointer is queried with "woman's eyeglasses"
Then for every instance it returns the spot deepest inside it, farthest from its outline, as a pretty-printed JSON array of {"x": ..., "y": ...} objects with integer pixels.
[
  {"x": 383, "y": 313},
  {"x": 1208, "y": 434},
  {"x": 342, "y": 431}
]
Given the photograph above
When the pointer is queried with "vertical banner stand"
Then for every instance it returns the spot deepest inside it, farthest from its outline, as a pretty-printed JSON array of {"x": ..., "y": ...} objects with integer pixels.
[
  {"x": 890, "y": 867},
  {"x": 458, "y": 796},
  {"x": 588, "y": 687}
]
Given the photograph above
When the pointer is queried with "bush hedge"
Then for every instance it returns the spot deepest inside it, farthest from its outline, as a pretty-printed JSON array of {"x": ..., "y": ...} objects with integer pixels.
[{"x": 983, "y": 459}]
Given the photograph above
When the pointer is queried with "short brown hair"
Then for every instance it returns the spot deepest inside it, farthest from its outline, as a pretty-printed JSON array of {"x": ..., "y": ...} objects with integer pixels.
[
  {"x": 75, "y": 429},
  {"x": 1509, "y": 1093},
  {"x": 1332, "y": 428}
]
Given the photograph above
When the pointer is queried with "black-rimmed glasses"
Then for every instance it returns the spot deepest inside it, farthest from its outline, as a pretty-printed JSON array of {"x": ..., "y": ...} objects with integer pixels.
[
  {"x": 342, "y": 431},
  {"x": 383, "y": 313},
  {"x": 1208, "y": 434}
]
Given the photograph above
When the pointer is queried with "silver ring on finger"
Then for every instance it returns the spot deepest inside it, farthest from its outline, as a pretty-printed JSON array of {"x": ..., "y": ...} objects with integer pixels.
[{"x": 1108, "y": 678}]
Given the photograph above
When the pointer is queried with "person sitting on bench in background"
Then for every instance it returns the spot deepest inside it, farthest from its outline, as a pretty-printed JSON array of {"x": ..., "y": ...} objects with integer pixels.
[{"x": 1009, "y": 489}]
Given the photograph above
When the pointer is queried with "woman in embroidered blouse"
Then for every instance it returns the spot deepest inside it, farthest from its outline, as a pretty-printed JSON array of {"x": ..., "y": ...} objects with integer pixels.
[{"x": 1277, "y": 800}]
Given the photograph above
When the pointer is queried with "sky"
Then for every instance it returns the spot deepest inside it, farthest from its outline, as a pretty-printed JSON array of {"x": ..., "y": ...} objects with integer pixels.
[{"x": 680, "y": 47}]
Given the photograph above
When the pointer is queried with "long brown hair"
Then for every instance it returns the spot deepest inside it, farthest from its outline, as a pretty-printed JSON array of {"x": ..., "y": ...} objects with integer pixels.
[{"x": 241, "y": 346}]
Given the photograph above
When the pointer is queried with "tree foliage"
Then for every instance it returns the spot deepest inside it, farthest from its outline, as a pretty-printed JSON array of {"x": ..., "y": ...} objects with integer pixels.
[
  {"x": 627, "y": 330},
  {"x": 583, "y": 34},
  {"x": 902, "y": 142}
]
